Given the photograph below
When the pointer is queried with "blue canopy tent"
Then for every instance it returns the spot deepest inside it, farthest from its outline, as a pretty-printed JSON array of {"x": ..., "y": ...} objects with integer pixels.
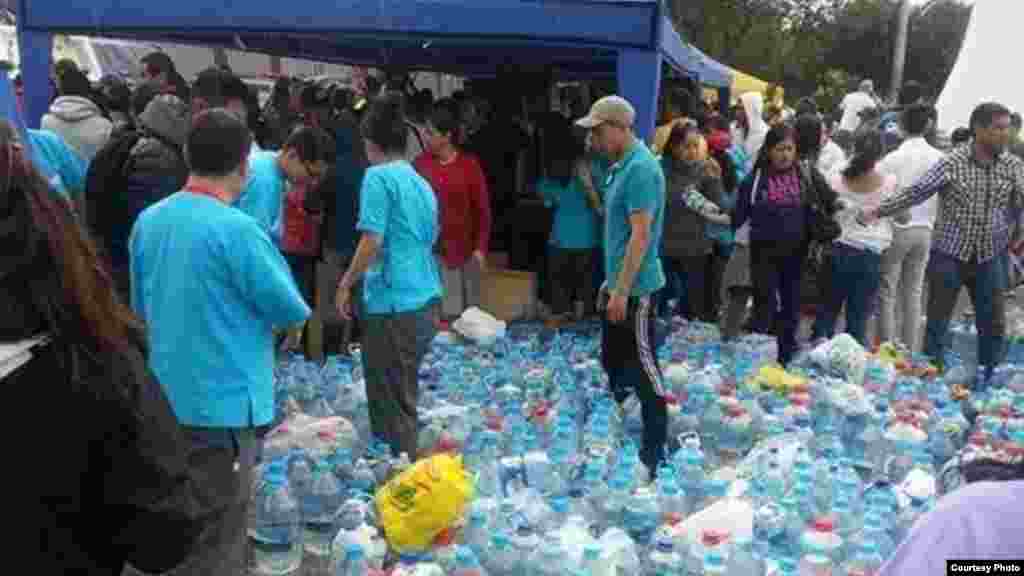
[{"x": 626, "y": 38}]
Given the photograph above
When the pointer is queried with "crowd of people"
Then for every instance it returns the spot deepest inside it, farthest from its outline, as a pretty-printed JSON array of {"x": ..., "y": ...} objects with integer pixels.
[{"x": 161, "y": 241}]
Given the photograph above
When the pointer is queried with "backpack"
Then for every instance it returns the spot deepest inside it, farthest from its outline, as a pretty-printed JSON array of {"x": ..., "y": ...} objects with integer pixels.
[{"x": 107, "y": 179}]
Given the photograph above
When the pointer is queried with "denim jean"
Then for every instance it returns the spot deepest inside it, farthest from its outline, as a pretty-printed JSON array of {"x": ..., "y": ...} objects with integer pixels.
[
  {"x": 685, "y": 282},
  {"x": 986, "y": 285},
  {"x": 776, "y": 276},
  {"x": 854, "y": 276}
]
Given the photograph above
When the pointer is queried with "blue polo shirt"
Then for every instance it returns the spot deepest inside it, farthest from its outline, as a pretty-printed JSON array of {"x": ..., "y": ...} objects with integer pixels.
[
  {"x": 635, "y": 183},
  {"x": 398, "y": 205},
  {"x": 575, "y": 223},
  {"x": 211, "y": 287},
  {"x": 263, "y": 195}
]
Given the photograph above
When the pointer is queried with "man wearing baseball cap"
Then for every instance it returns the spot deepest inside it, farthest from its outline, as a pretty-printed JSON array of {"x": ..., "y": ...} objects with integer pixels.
[{"x": 635, "y": 205}]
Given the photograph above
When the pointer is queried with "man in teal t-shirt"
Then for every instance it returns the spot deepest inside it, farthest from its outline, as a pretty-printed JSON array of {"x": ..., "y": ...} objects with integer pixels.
[
  {"x": 211, "y": 288},
  {"x": 304, "y": 157},
  {"x": 634, "y": 212}
]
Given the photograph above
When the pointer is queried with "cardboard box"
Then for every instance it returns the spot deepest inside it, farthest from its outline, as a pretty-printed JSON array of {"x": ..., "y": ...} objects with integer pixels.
[{"x": 509, "y": 294}]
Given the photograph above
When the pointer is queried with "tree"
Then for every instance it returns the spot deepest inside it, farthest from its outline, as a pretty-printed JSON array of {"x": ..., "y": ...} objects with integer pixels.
[{"x": 808, "y": 44}]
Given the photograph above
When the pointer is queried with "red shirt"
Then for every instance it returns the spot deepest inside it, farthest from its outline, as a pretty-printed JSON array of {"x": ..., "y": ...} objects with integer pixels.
[
  {"x": 300, "y": 230},
  {"x": 463, "y": 203}
]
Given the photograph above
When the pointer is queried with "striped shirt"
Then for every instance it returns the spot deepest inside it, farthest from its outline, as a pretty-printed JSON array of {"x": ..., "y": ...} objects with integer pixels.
[{"x": 979, "y": 203}]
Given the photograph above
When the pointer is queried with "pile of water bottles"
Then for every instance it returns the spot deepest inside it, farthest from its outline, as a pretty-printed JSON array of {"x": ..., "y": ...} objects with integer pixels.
[{"x": 798, "y": 472}]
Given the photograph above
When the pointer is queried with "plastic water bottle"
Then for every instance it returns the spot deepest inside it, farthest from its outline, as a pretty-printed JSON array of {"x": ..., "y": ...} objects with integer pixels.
[
  {"x": 663, "y": 559},
  {"x": 866, "y": 560},
  {"x": 476, "y": 535},
  {"x": 277, "y": 537},
  {"x": 320, "y": 511},
  {"x": 820, "y": 545},
  {"x": 466, "y": 563},
  {"x": 714, "y": 564},
  {"x": 744, "y": 559},
  {"x": 502, "y": 559},
  {"x": 354, "y": 563}
]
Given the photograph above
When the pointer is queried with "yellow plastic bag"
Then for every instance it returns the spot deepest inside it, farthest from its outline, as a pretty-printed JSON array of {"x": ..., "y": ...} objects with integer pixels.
[
  {"x": 775, "y": 378},
  {"x": 415, "y": 506}
]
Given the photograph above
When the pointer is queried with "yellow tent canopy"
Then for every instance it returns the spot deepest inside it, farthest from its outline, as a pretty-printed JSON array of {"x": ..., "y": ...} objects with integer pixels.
[{"x": 743, "y": 83}]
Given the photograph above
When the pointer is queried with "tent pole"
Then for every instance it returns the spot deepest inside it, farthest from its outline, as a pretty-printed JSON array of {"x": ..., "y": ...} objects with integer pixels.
[
  {"x": 35, "y": 49},
  {"x": 639, "y": 79}
]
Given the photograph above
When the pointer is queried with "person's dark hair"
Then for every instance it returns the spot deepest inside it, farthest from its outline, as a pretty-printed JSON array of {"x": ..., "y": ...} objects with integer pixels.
[
  {"x": 679, "y": 133},
  {"x": 209, "y": 86},
  {"x": 159, "y": 62},
  {"x": 385, "y": 124},
  {"x": 806, "y": 105},
  {"x": 236, "y": 89},
  {"x": 868, "y": 149},
  {"x": 960, "y": 136},
  {"x": 312, "y": 145},
  {"x": 421, "y": 104},
  {"x": 986, "y": 113},
  {"x": 776, "y": 134},
  {"x": 57, "y": 283},
  {"x": 315, "y": 95},
  {"x": 444, "y": 117},
  {"x": 143, "y": 95},
  {"x": 217, "y": 143},
  {"x": 280, "y": 95},
  {"x": 916, "y": 119},
  {"x": 564, "y": 148},
  {"x": 116, "y": 94},
  {"x": 682, "y": 101},
  {"x": 911, "y": 93},
  {"x": 808, "y": 135},
  {"x": 72, "y": 82},
  {"x": 1016, "y": 121}
]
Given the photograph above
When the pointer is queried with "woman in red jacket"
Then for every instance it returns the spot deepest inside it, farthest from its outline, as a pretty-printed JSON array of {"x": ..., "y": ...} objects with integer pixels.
[{"x": 464, "y": 205}]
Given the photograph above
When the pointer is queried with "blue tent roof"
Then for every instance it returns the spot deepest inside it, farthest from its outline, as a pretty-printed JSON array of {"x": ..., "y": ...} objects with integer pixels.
[
  {"x": 683, "y": 56},
  {"x": 583, "y": 38},
  {"x": 472, "y": 36}
]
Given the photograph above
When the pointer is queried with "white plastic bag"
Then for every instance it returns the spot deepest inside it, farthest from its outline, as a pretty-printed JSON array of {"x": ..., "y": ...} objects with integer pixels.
[
  {"x": 479, "y": 327},
  {"x": 842, "y": 356}
]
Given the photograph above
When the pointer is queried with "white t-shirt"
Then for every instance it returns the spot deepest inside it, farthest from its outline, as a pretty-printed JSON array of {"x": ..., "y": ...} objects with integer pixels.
[
  {"x": 876, "y": 236},
  {"x": 831, "y": 159},
  {"x": 853, "y": 104},
  {"x": 908, "y": 164}
]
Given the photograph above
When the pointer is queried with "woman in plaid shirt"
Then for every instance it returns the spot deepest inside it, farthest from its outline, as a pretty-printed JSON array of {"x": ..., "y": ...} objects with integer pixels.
[{"x": 979, "y": 186}]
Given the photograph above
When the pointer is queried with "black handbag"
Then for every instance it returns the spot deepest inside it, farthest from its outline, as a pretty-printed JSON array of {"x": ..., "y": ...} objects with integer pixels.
[{"x": 822, "y": 226}]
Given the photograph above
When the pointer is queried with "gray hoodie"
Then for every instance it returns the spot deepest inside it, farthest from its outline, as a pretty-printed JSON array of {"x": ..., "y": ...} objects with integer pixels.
[{"x": 80, "y": 122}]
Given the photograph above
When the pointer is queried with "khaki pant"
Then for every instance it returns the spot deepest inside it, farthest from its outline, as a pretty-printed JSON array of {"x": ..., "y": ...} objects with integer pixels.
[
  {"x": 461, "y": 287},
  {"x": 903, "y": 272}
]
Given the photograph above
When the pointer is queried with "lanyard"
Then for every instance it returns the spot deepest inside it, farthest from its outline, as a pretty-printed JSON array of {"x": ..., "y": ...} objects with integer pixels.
[{"x": 210, "y": 191}]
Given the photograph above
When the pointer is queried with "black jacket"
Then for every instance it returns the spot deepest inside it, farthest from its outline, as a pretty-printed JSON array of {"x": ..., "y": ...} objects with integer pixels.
[{"x": 101, "y": 465}]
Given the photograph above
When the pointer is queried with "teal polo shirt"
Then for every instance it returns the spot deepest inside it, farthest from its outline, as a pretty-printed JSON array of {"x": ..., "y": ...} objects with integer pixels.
[
  {"x": 634, "y": 184},
  {"x": 399, "y": 206},
  {"x": 211, "y": 287}
]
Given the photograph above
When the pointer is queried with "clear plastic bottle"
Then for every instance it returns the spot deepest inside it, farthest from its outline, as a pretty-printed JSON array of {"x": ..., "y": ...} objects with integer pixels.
[
  {"x": 819, "y": 545},
  {"x": 663, "y": 559},
  {"x": 467, "y": 564},
  {"x": 502, "y": 559},
  {"x": 354, "y": 562},
  {"x": 744, "y": 560},
  {"x": 714, "y": 564},
  {"x": 476, "y": 534},
  {"x": 320, "y": 511},
  {"x": 865, "y": 561},
  {"x": 277, "y": 537}
]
